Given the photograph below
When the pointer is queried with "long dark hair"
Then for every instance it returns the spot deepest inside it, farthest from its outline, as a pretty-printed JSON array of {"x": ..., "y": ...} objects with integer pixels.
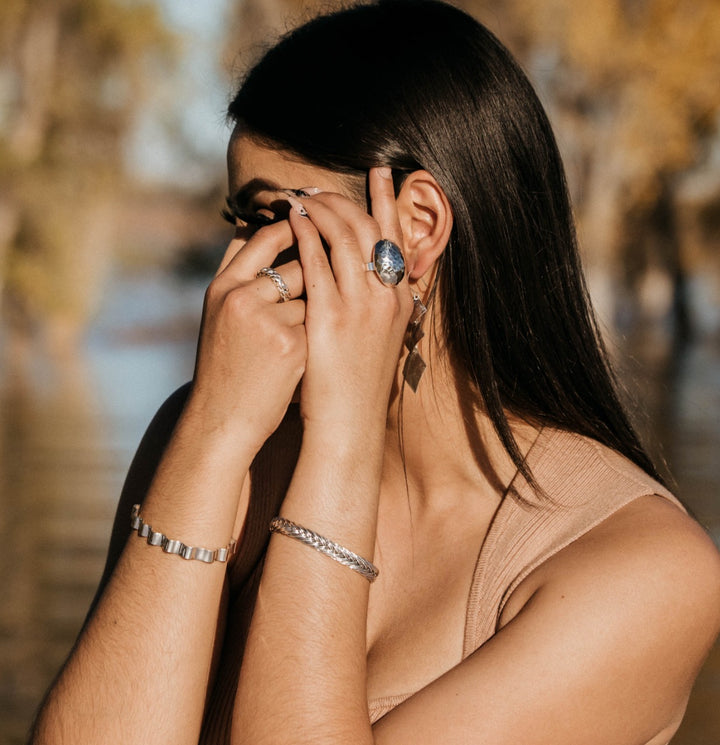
[{"x": 421, "y": 85}]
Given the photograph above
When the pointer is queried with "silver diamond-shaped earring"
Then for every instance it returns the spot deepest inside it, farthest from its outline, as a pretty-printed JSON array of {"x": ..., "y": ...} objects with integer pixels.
[{"x": 414, "y": 363}]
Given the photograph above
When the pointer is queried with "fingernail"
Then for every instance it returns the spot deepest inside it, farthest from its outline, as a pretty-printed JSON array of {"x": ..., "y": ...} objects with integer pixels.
[
  {"x": 308, "y": 191},
  {"x": 297, "y": 206},
  {"x": 385, "y": 172}
]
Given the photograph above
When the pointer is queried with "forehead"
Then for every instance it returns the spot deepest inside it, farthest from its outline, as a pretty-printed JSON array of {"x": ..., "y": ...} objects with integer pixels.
[{"x": 249, "y": 161}]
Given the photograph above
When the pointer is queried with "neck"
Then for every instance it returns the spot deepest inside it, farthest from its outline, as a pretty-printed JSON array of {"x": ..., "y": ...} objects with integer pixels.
[{"x": 443, "y": 443}]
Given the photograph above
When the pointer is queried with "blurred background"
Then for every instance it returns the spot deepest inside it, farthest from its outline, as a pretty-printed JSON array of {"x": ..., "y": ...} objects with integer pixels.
[{"x": 112, "y": 137}]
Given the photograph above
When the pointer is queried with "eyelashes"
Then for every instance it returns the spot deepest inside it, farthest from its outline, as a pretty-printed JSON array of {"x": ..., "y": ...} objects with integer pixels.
[{"x": 231, "y": 213}]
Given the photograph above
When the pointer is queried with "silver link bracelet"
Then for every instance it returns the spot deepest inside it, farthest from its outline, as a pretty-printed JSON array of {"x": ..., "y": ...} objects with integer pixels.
[{"x": 174, "y": 546}]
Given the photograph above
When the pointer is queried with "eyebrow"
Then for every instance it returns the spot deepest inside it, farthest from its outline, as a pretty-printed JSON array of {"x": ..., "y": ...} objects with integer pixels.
[{"x": 243, "y": 197}]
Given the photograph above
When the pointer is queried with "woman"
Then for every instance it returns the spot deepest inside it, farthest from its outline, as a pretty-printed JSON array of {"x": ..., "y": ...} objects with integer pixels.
[{"x": 537, "y": 583}]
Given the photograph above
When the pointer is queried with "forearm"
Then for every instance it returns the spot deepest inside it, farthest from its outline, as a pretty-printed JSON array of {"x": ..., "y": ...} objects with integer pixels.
[
  {"x": 303, "y": 677},
  {"x": 304, "y": 672},
  {"x": 141, "y": 666},
  {"x": 142, "y": 663}
]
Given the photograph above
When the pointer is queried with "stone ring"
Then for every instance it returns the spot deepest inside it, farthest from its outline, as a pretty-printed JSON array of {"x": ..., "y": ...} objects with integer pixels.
[
  {"x": 277, "y": 280},
  {"x": 388, "y": 263}
]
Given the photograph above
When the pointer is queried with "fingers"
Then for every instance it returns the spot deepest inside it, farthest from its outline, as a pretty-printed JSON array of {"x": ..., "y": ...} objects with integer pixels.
[
  {"x": 281, "y": 283},
  {"x": 242, "y": 236},
  {"x": 350, "y": 231},
  {"x": 383, "y": 204},
  {"x": 292, "y": 313},
  {"x": 251, "y": 262},
  {"x": 244, "y": 258},
  {"x": 317, "y": 273},
  {"x": 329, "y": 220}
]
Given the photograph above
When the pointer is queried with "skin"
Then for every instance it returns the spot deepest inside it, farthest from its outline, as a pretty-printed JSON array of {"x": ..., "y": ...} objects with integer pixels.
[{"x": 604, "y": 639}]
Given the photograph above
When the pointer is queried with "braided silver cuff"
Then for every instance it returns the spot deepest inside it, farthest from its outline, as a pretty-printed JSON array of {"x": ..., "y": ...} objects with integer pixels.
[
  {"x": 173, "y": 546},
  {"x": 324, "y": 546}
]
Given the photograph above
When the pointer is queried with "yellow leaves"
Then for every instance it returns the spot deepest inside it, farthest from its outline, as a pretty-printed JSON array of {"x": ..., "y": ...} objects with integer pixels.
[{"x": 595, "y": 37}]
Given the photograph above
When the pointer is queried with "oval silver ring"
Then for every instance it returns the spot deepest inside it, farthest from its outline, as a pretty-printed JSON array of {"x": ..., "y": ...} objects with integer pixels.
[
  {"x": 277, "y": 280},
  {"x": 387, "y": 262}
]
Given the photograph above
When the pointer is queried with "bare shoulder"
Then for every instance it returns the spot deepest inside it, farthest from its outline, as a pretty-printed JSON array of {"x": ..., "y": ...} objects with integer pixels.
[
  {"x": 652, "y": 544},
  {"x": 651, "y": 574}
]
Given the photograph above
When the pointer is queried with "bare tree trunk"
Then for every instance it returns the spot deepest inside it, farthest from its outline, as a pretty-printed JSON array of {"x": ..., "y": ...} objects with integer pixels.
[
  {"x": 600, "y": 223},
  {"x": 669, "y": 244},
  {"x": 9, "y": 223}
]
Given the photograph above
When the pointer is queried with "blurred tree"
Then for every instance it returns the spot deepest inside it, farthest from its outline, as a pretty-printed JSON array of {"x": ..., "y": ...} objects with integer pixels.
[{"x": 72, "y": 76}]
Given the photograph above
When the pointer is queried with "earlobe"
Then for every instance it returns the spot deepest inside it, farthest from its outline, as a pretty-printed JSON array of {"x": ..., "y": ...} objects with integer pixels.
[{"x": 426, "y": 219}]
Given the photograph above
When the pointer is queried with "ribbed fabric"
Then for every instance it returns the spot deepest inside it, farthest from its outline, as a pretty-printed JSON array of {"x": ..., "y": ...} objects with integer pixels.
[{"x": 584, "y": 483}]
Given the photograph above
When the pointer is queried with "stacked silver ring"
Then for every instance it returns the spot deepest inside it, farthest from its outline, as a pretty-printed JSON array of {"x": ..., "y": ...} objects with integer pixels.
[{"x": 277, "y": 280}]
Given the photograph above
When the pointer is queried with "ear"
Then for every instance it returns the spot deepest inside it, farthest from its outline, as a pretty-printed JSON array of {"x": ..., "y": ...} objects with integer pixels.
[{"x": 426, "y": 220}]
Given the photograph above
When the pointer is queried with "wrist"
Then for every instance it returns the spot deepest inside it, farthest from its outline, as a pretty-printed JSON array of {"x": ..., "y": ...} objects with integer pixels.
[
  {"x": 225, "y": 431},
  {"x": 346, "y": 466},
  {"x": 198, "y": 487},
  {"x": 342, "y": 438}
]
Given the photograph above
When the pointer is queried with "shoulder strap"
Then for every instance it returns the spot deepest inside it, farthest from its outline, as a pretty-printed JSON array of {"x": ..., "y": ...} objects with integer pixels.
[{"x": 585, "y": 483}]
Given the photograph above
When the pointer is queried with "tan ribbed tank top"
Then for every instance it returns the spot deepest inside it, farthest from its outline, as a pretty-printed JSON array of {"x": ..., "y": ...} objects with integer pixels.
[{"x": 584, "y": 483}]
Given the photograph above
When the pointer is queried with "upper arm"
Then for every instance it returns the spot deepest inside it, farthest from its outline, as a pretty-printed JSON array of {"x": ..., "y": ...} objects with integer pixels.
[
  {"x": 140, "y": 476},
  {"x": 605, "y": 649}
]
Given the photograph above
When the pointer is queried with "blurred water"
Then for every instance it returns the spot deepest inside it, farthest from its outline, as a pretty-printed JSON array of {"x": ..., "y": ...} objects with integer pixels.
[{"x": 68, "y": 432}]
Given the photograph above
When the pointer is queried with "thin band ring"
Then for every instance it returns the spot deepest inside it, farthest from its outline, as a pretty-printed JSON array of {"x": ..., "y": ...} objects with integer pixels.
[{"x": 277, "y": 280}]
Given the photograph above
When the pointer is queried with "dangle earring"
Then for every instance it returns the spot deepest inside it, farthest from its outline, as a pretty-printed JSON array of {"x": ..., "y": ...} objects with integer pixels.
[{"x": 414, "y": 363}]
